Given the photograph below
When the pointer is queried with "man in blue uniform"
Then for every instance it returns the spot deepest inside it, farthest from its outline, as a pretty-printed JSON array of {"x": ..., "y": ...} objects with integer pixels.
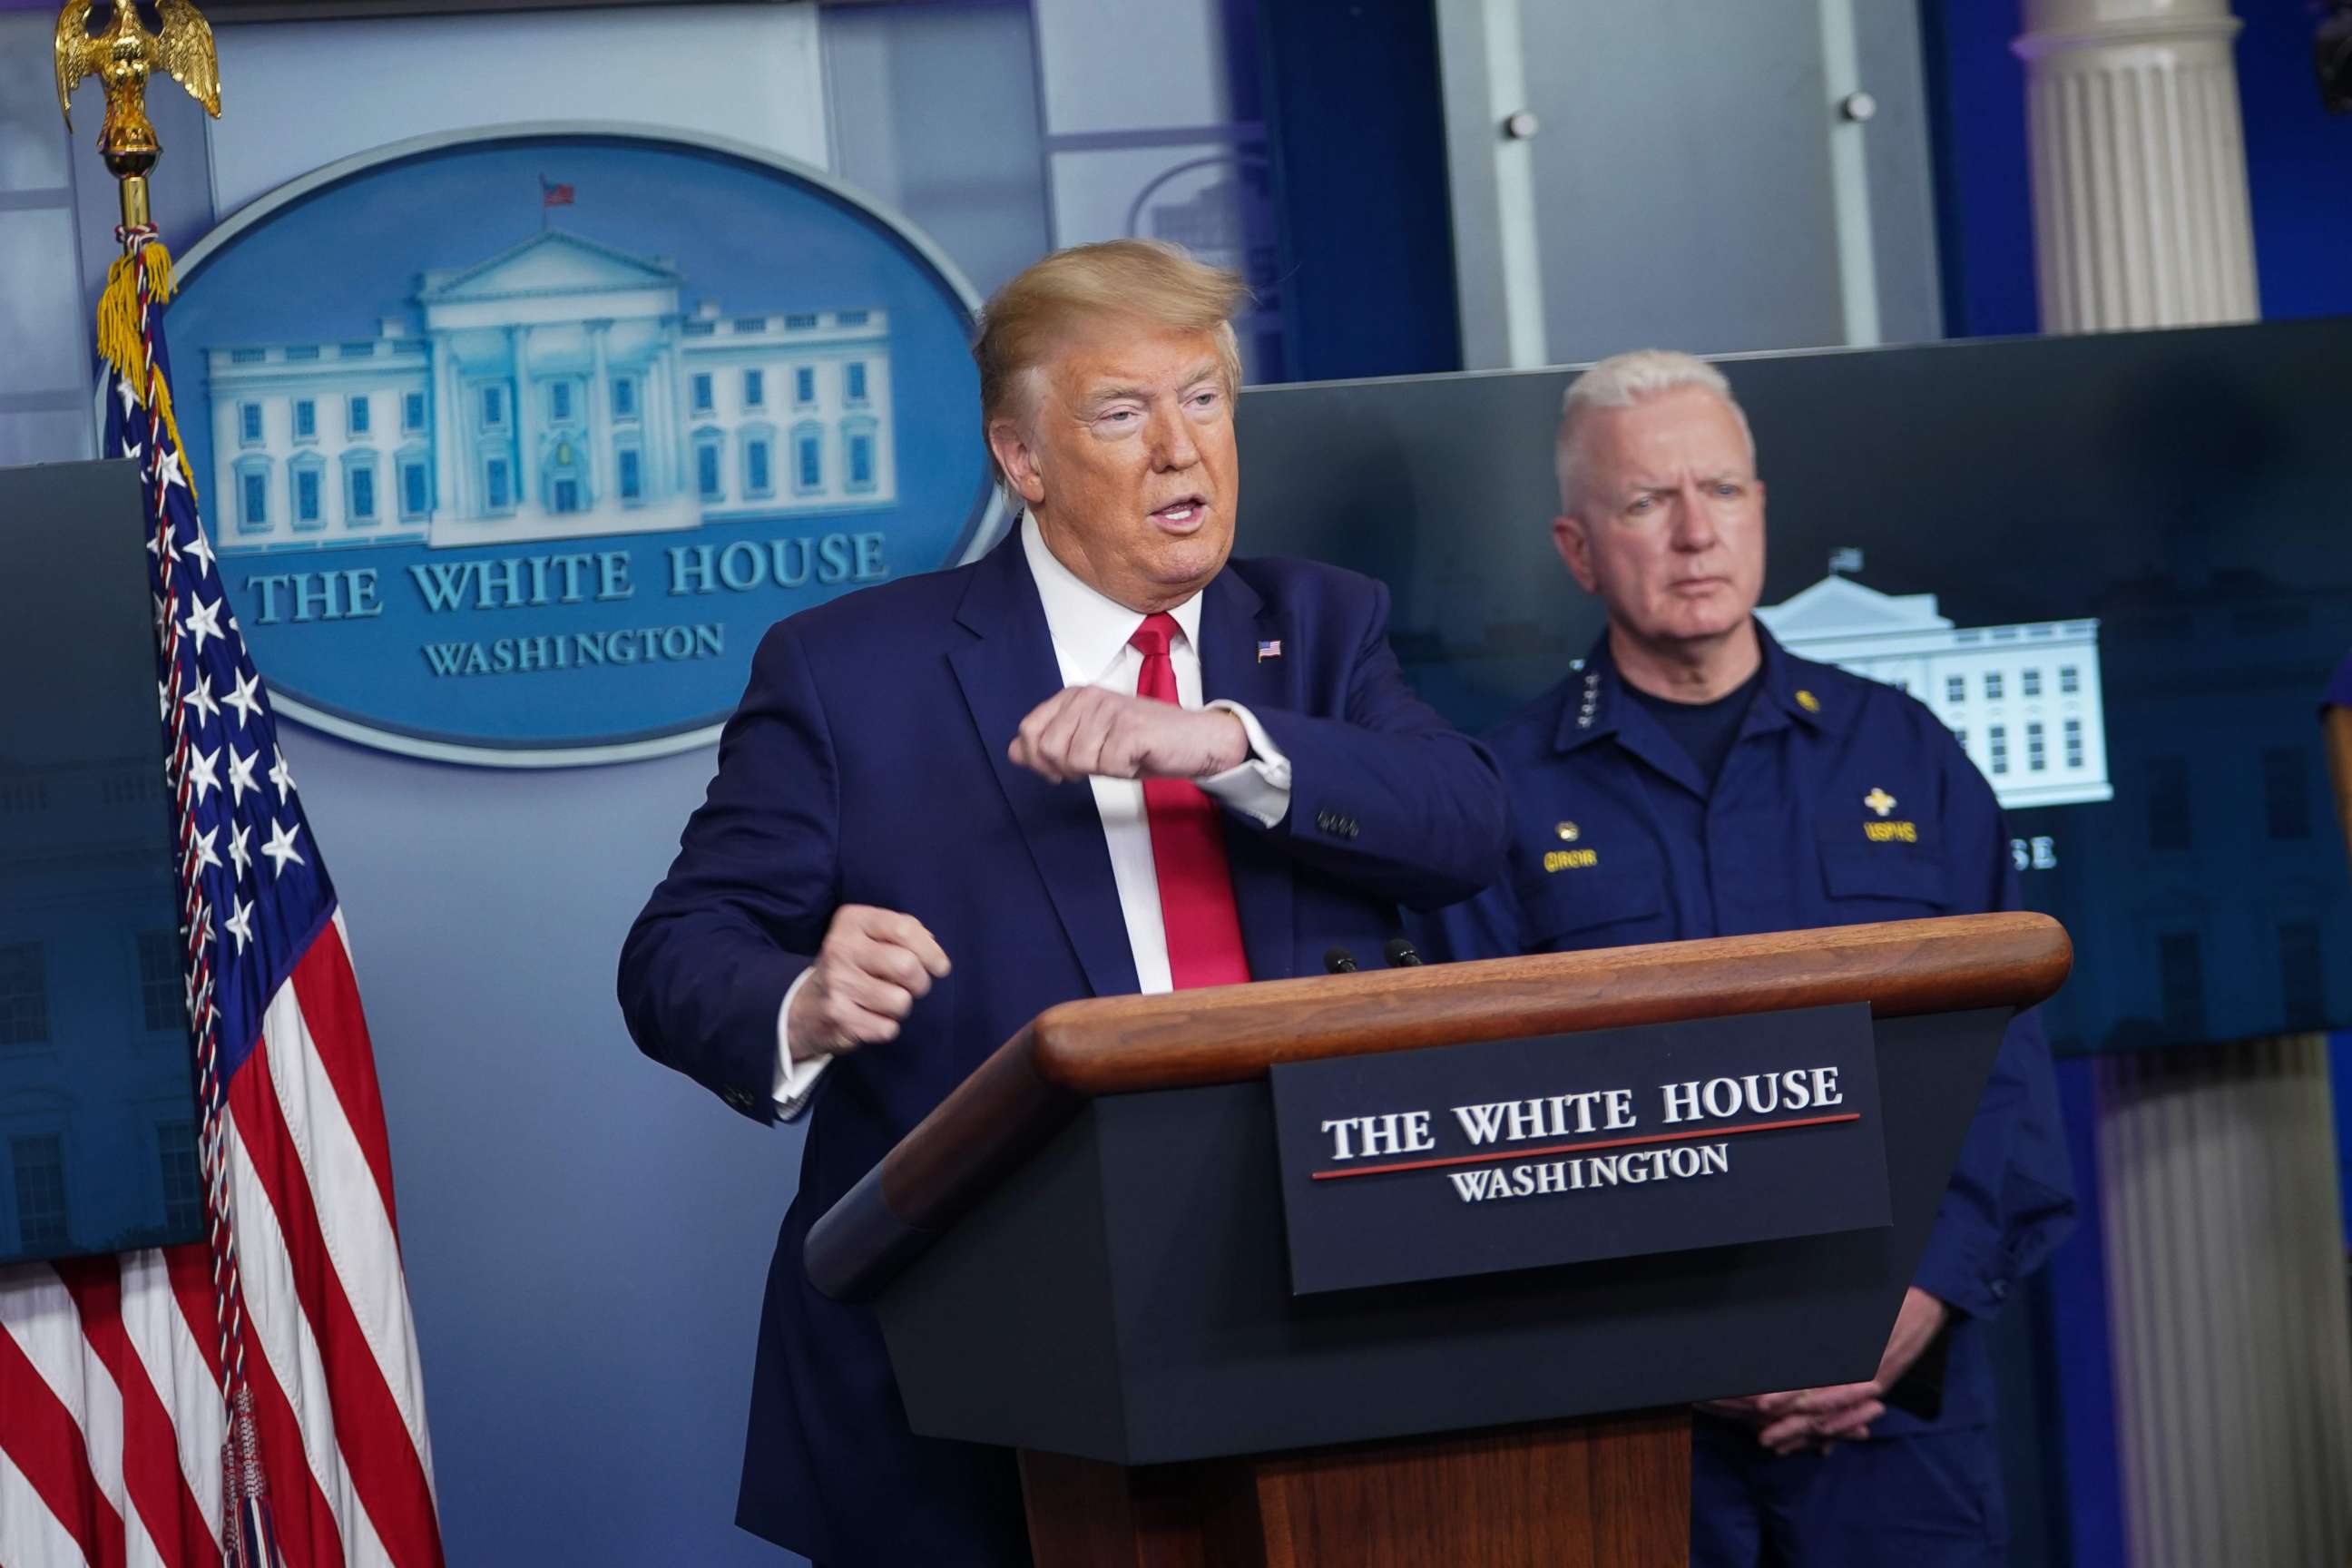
[{"x": 1723, "y": 786}]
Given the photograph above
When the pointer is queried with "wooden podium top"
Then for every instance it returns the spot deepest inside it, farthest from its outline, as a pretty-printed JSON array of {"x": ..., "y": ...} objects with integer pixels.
[{"x": 1036, "y": 1081}]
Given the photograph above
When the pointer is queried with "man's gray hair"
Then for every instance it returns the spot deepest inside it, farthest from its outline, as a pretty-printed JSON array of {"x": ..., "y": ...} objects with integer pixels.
[{"x": 1620, "y": 382}]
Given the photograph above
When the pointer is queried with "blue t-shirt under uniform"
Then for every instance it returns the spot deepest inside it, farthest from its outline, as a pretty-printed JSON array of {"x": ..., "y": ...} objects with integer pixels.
[{"x": 1704, "y": 730}]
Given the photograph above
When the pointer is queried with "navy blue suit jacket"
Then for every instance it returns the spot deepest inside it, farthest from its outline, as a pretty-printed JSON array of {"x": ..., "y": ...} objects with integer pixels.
[{"x": 866, "y": 764}]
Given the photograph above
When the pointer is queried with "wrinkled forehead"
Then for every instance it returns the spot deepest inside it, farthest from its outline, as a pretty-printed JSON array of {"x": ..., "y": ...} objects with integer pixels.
[
  {"x": 1688, "y": 432},
  {"x": 1096, "y": 358}
]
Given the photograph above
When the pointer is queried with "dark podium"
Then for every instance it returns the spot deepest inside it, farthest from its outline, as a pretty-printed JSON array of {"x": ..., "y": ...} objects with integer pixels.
[{"x": 1080, "y": 1254}]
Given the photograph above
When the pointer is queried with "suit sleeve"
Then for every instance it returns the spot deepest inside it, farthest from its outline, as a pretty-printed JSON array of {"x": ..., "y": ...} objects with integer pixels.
[
  {"x": 1388, "y": 796},
  {"x": 745, "y": 905},
  {"x": 2012, "y": 1197}
]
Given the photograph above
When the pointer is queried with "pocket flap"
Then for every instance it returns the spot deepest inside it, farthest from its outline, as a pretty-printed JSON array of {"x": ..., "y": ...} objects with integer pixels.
[
  {"x": 1555, "y": 904},
  {"x": 1873, "y": 871}
]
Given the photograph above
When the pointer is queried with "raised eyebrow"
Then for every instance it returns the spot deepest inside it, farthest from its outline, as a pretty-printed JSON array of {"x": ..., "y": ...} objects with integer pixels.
[
  {"x": 1094, "y": 401},
  {"x": 1093, "y": 404}
]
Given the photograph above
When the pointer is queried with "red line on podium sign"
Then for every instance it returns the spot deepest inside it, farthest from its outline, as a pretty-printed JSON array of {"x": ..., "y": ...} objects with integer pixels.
[{"x": 1489, "y": 1157}]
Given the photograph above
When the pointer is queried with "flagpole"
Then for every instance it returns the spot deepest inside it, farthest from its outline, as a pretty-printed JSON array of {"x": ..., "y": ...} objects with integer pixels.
[{"x": 123, "y": 53}]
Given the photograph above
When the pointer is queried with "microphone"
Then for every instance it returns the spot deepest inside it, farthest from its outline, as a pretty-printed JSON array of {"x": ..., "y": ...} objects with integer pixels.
[
  {"x": 1400, "y": 954},
  {"x": 1339, "y": 961}
]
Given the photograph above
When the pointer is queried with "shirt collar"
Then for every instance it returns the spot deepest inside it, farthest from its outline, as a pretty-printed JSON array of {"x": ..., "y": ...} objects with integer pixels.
[
  {"x": 1088, "y": 627},
  {"x": 1595, "y": 695},
  {"x": 1787, "y": 683}
]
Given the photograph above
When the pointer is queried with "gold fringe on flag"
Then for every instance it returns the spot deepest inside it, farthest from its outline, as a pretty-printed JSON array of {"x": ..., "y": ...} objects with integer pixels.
[{"x": 119, "y": 341}]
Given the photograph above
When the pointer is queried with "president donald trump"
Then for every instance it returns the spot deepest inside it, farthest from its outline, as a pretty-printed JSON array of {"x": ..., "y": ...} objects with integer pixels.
[{"x": 1104, "y": 758}]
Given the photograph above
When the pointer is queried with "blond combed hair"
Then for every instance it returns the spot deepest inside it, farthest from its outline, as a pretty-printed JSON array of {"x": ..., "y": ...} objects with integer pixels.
[{"x": 1148, "y": 281}]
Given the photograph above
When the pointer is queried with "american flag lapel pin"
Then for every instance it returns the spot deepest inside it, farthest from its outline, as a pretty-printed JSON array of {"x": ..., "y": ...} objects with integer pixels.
[{"x": 1267, "y": 650}]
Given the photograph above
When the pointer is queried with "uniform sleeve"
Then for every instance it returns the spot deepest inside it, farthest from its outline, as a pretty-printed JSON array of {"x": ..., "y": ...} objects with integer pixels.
[
  {"x": 1486, "y": 926},
  {"x": 704, "y": 970},
  {"x": 2012, "y": 1197}
]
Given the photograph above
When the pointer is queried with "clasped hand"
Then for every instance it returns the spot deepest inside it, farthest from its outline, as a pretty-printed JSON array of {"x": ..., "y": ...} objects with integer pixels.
[
  {"x": 1084, "y": 732},
  {"x": 1821, "y": 1418}
]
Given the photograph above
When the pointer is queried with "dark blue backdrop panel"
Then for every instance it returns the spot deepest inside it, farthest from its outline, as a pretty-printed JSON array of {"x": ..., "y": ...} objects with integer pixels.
[
  {"x": 1357, "y": 131},
  {"x": 98, "y": 1104},
  {"x": 2181, "y": 488},
  {"x": 2298, "y": 162},
  {"x": 1984, "y": 201}
]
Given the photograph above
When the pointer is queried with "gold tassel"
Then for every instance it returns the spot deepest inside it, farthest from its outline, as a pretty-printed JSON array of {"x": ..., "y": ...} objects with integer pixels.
[{"x": 118, "y": 343}]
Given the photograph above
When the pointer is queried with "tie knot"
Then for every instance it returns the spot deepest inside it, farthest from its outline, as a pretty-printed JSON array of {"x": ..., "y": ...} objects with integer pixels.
[{"x": 1152, "y": 637}]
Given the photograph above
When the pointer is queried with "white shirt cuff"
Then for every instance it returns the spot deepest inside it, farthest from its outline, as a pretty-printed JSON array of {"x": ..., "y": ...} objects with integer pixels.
[
  {"x": 795, "y": 1081},
  {"x": 1260, "y": 787}
]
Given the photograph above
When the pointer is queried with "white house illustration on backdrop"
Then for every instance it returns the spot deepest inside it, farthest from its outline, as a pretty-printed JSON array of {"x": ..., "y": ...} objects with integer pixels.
[
  {"x": 558, "y": 391},
  {"x": 2024, "y": 700}
]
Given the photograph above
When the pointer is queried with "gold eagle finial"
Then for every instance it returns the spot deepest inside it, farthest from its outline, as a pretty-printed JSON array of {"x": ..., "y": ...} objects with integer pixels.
[
  {"x": 122, "y": 49},
  {"x": 114, "y": 41}
]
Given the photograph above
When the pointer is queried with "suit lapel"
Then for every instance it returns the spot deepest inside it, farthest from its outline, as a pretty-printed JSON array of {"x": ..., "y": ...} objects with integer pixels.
[
  {"x": 1007, "y": 669},
  {"x": 1234, "y": 629}
]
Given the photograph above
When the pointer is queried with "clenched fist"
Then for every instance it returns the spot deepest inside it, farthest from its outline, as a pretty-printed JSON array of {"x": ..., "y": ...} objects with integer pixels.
[
  {"x": 1082, "y": 732},
  {"x": 870, "y": 968}
]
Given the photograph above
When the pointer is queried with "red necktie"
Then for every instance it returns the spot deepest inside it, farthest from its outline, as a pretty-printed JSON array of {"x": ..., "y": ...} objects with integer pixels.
[{"x": 1188, "y": 848}]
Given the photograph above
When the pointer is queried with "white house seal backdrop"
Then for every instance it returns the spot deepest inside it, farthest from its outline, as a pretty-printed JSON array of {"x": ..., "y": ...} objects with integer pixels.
[{"x": 512, "y": 444}]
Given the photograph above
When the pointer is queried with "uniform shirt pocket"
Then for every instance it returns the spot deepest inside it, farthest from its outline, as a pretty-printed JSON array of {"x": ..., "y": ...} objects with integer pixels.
[
  {"x": 1596, "y": 905},
  {"x": 1884, "y": 871}
]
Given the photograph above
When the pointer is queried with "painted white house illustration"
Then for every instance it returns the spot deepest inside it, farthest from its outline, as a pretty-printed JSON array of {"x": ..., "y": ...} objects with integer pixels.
[
  {"x": 2024, "y": 700},
  {"x": 558, "y": 390}
]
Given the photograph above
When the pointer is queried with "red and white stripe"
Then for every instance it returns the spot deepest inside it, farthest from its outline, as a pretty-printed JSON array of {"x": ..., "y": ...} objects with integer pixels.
[{"x": 110, "y": 1416}]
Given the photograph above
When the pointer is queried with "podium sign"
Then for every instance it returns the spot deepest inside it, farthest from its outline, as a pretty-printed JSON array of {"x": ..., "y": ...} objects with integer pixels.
[{"x": 1518, "y": 1153}]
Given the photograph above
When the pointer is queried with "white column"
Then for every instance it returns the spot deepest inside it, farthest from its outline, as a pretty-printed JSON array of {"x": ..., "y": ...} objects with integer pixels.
[
  {"x": 1850, "y": 175},
  {"x": 2139, "y": 164},
  {"x": 452, "y": 447},
  {"x": 1490, "y": 156},
  {"x": 681, "y": 439},
  {"x": 660, "y": 416},
  {"x": 600, "y": 416},
  {"x": 2225, "y": 1279},
  {"x": 526, "y": 421},
  {"x": 2217, "y": 1163}
]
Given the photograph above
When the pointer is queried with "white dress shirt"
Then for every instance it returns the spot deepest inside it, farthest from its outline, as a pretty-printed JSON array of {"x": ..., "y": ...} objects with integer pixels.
[{"x": 1090, "y": 633}]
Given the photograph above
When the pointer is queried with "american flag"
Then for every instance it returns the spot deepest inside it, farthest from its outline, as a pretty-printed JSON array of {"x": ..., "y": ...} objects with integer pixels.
[
  {"x": 256, "y": 1398},
  {"x": 551, "y": 195}
]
